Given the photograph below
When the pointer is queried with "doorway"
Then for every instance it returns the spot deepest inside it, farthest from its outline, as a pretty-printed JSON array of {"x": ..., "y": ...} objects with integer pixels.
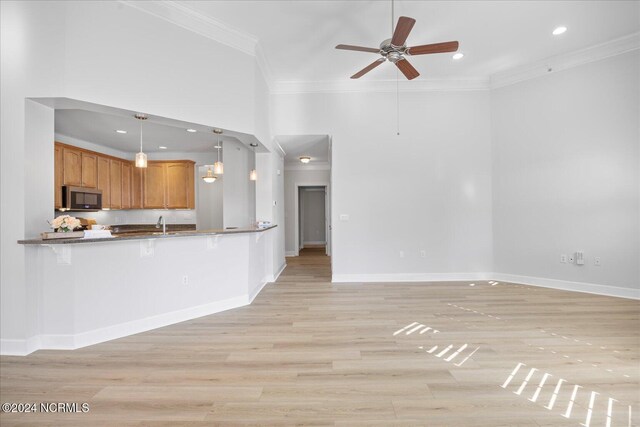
[{"x": 312, "y": 228}]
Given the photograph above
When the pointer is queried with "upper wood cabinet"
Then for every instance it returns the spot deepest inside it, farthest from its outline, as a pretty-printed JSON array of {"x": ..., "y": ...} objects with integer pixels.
[
  {"x": 136, "y": 187},
  {"x": 57, "y": 178},
  {"x": 169, "y": 185},
  {"x": 154, "y": 186},
  {"x": 72, "y": 167},
  {"x": 126, "y": 185},
  {"x": 178, "y": 185},
  {"x": 115, "y": 181},
  {"x": 162, "y": 185},
  {"x": 104, "y": 183},
  {"x": 89, "y": 170}
]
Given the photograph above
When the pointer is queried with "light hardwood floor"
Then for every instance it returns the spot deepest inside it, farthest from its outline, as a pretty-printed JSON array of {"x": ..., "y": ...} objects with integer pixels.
[{"x": 308, "y": 352}]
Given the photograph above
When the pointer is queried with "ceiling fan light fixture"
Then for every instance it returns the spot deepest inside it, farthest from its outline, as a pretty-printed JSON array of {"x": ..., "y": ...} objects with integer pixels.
[
  {"x": 305, "y": 159},
  {"x": 559, "y": 30},
  {"x": 458, "y": 55}
]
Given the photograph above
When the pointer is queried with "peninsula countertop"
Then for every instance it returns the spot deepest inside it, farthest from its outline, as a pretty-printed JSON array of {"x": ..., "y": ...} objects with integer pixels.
[{"x": 141, "y": 235}]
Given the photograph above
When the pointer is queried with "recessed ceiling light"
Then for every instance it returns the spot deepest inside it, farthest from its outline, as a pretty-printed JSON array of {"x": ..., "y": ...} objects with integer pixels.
[
  {"x": 162, "y": 147},
  {"x": 458, "y": 55},
  {"x": 305, "y": 159},
  {"x": 217, "y": 146},
  {"x": 121, "y": 131},
  {"x": 191, "y": 130},
  {"x": 559, "y": 30},
  {"x": 253, "y": 144}
]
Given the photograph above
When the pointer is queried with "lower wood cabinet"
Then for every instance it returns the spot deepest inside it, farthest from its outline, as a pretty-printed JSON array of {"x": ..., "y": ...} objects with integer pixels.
[{"x": 161, "y": 185}]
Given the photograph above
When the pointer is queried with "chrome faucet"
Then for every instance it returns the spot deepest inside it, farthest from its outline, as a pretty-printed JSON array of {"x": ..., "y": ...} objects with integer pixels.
[{"x": 164, "y": 224}]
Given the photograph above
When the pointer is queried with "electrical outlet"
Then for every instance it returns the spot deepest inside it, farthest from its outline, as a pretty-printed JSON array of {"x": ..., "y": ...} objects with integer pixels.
[
  {"x": 185, "y": 280},
  {"x": 563, "y": 258},
  {"x": 401, "y": 254},
  {"x": 597, "y": 261},
  {"x": 423, "y": 254}
]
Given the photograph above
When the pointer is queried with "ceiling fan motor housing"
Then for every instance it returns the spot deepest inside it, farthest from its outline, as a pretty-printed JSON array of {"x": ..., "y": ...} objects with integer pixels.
[{"x": 391, "y": 52}]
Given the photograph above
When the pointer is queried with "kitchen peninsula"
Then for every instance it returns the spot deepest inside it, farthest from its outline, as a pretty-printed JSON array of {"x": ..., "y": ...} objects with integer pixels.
[{"x": 94, "y": 290}]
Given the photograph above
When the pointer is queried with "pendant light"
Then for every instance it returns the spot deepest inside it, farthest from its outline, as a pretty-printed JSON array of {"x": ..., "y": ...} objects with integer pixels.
[
  {"x": 253, "y": 175},
  {"x": 218, "y": 167},
  {"x": 141, "y": 158},
  {"x": 209, "y": 177}
]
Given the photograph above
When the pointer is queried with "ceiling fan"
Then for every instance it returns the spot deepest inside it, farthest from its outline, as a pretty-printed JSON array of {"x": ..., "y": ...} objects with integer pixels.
[{"x": 395, "y": 50}]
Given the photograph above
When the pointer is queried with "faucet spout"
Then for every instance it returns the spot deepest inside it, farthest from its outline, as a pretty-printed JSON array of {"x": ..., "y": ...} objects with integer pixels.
[{"x": 164, "y": 224}]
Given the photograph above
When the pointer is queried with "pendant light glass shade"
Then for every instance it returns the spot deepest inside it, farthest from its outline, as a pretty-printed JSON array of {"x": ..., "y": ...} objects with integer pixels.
[
  {"x": 253, "y": 175},
  {"x": 141, "y": 158},
  {"x": 218, "y": 167},
  {"x": 209, "y": 177}
]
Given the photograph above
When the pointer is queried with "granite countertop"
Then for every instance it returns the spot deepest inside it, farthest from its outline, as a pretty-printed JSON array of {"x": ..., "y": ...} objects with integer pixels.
[{"x": 146, "y": 232}]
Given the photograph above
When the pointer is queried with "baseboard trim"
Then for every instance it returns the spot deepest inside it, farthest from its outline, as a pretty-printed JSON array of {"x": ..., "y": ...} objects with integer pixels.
[
  {"x": 284, "y": 265},
  {"x": 73, "y": 342},
  {"x": 409, "y": 277},
  {"x": 566, "y": 285},
  {"x": 291, "y": 253}
]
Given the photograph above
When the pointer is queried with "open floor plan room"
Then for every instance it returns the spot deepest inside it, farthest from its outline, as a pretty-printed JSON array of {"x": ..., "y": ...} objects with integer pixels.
[{"x": 320, "y": 212}]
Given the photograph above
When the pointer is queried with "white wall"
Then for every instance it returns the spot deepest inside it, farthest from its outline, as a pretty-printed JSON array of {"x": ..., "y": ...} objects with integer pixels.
[
  {"x": 566, "y": 154},
  {"x": 312, "y": 217},
  {"x": 293, "y": 177},
  {"x": 239, "y": 197},
  {"x": 428, "y": 189}
]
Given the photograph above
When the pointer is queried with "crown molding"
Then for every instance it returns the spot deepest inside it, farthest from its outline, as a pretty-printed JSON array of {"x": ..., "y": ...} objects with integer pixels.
[
  {"x": 348, "y": 85},
  {"x": 566, "y": 61},
  {"x": 196, "y": 22}
]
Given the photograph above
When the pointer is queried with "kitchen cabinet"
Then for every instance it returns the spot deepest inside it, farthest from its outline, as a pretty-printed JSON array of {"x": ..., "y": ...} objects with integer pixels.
[
  {"x": 89, "y": 170},
  {"x": 169, "y": 185},
  {"x": 71, "y": 167},
  {"x": 179, "y": 185},
  {"x": 136, "y": 187},
  {"x": 126, "y": 185},
  {"x": 57, "y": 178},
  {"x": 154, "y": 185},
  {"x": 162, "y": 185},
  {"x": 115, "y": 183},
  {"x": 104, "y": 183}
]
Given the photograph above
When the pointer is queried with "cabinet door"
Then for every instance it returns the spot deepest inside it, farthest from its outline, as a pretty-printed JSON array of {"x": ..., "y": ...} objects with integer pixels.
[
  {"x": 104, "y": 183},
  {"x": 191, "y": 188},
  {"x": 177, "y": 180},
  {"x": 154, "y": 178},
  {"x": 136, "y": 187},
  {"x": 126, "y": 185},
  {"x": 89, "y": 170},
  {"x": 115, "y": 177},
  {"x": 72, "y": 167},
  {"x": 57, "y": 177}
]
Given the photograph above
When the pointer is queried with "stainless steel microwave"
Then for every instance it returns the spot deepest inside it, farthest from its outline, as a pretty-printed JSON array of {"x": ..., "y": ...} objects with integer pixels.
[{"x": 81, "y": 199}]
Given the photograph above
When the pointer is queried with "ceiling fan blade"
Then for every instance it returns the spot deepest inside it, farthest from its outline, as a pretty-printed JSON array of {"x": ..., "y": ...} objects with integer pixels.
[
  {"x": 433, "y": 48},
  {"x": 403, "y": 28},
  {"x": 368, "y": 68},
  {"x": 358, "y": 48},
  {"x": 407, "y": 69}
]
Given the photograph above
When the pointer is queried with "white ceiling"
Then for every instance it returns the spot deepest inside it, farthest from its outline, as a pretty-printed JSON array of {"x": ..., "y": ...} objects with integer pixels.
[
  {"x": 100, "y": 128},
  {"x": 314, "y": 146},
  {"x": 298, "y": 37}
]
